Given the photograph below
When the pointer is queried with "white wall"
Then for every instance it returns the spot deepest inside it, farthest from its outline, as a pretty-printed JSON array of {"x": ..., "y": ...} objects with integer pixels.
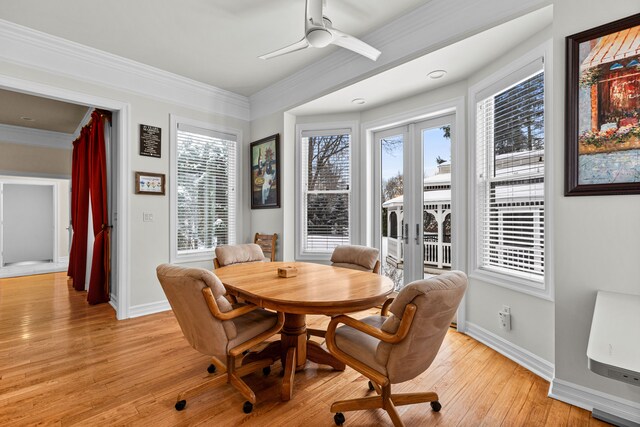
[
  {"x": 597, "y": 238},
  {"x": 149, "y": 240}
]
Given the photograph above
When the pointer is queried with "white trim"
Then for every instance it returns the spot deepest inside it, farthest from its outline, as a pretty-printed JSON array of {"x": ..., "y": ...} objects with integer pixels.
[
  {"x": 125, "y": 181},
  {"x": 173, "y": 189},
  {"x": 149, "y": 308},
  {"x": 41, "y": 51},
  {"x": 587, "y": 398},
  {"x": 36, "y": 137},
  {"x": 546, "y": 290},
  {"x": 539, "y": 366},
  {"x": 29, "y": 174},
  {"x": 63, "y": 259},
  {"x": 425, "y": 29},
  {"x": 83, "y": 123},
  {"x": 113, "y": 301},
  {"x": 354, "y": 199}
]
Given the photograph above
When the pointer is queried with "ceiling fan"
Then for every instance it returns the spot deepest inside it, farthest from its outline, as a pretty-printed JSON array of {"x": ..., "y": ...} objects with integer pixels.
[{"x": 319, "y": 32}]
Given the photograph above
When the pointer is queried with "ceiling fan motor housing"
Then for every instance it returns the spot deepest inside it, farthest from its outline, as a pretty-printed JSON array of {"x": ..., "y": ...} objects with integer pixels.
[{"x": 319, "y": 37}]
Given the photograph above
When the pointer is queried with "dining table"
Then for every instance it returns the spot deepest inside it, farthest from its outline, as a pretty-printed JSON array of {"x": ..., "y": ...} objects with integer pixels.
[{"x": 315, "y": 289}]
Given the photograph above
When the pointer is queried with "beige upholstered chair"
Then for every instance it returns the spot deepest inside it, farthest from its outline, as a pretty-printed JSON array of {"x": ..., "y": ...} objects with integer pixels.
[
  {"x": 216, "y": 328},
  {"x": 355, "y": 257},
  {"x": 267, "y": 243},
  {"x": 237, "y": 254},
  {"x": 394, "y": 349}
]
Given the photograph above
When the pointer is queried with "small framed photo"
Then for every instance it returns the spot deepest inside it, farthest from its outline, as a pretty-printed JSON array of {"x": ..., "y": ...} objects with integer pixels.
[
  {"x": 265, "y": 173},
  {"x": 150, "y": 183},
  {"x": 602, "y": 140}
]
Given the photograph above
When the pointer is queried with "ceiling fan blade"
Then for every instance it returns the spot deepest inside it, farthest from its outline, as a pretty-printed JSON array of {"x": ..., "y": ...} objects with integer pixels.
[
  {"x": 358, "y": 46},
  {"x": 302, "y": 44},
  {"x": 313, "y": 14}
]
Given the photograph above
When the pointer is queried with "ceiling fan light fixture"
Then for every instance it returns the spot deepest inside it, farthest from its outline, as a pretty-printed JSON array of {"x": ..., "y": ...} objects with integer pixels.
[
  {"x": 358, "y": 101},
  {"x": 319, "y": 37},
  {"x": 437, "y": 74}
]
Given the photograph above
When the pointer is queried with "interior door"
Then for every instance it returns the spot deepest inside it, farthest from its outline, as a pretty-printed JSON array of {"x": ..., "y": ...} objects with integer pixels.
[
  {"x": 413, "y": 175},
  {"x": 27, "y": 223}
]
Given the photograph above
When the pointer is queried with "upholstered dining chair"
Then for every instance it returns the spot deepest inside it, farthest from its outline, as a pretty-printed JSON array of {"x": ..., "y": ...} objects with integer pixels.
[
  {"x": 397, "y": 348},
  {"x": 355, "y": 257},
  {"x": 237, "y": 254},
  {"x": 216, "y": 328}
]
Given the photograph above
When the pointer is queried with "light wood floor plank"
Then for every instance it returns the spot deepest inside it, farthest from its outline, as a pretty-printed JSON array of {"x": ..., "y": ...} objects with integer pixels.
[{"x": 65, "y": 363}]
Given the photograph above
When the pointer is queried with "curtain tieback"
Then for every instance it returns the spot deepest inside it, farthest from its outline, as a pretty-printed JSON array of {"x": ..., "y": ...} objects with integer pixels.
[{"x": 106, "y": 227}]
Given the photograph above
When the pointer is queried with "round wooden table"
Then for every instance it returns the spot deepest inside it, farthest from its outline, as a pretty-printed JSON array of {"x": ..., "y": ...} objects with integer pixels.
[{"x": 317, "y": 289}]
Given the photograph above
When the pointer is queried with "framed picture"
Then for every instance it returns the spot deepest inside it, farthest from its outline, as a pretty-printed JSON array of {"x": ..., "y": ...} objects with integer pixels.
[
  {"x": 150, "y": 183},
  {"x": 602, "y": 115},
  {"x": 265, "y": 173}
]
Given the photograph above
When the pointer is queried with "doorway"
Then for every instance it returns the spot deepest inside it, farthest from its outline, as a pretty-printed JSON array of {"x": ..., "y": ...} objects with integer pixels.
[
  {"x": 120, "y": 181},
  {"x": 414, "y": 173}
]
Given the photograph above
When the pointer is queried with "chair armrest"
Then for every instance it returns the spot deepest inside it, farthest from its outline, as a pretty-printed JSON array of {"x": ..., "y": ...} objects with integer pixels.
[
  {"x": 403, "y": 329},
  {"x": 384, "y": 311},
  {"x": 228, "y": 315}
]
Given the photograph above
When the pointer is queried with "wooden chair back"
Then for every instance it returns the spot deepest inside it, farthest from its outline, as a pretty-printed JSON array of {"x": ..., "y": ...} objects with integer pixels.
[{"x": 267, "y": 243}]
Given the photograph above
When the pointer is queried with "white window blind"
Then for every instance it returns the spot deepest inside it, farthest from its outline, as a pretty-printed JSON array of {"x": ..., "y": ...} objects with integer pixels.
[
  {"x": 326, "y": 190},
  {"x": 206, "y": 189},
  {"x": 510, "y": 180}
]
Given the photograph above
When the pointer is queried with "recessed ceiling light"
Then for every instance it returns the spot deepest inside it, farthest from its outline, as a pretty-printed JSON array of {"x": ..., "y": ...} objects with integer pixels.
[
  {"x": 27, "y": 119},
  {"x": 437, "y": 74},
  {"x": 358, "y": 101}
]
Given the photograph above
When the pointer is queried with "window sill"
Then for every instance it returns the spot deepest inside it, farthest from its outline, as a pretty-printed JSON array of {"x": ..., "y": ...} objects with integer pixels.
[
  {"x": 536, "y": 289},
  {"x": 193, "y": 257}
]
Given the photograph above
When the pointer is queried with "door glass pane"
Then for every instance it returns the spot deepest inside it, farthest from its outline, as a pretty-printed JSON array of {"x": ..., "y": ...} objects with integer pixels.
[
  {"x": 437, "y": 199},
  {"x": 392, "y": 168}
]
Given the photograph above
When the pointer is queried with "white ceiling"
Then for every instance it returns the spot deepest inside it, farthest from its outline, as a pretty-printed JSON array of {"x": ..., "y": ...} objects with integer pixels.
[
  {"x": 46, "y": 114},
  {"x": 212, "y": 41},
  {"x": 460, "y": 60}
]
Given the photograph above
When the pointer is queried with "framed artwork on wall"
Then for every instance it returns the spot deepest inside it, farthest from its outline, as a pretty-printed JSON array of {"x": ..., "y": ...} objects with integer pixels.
[
  {"x": 602, "y": 139},
  {"x": 265, "y": 173},
  {"x": 150, "y": 183}
]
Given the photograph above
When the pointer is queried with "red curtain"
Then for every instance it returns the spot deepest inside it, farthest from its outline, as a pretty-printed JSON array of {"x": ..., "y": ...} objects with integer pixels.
[
  {"x": 79, "y": 210},
  {"x": 89, "y": 181},
  {"x": 99, "y": 281}
]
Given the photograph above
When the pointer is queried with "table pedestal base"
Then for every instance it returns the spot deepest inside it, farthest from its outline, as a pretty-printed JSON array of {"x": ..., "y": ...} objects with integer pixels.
[{"x": 294, "y": 350}]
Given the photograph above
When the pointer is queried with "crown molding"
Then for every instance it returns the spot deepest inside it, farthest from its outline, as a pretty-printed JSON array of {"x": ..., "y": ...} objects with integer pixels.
[
  {"x": 430, "y": 27},
  {"x": 36, "y": 137},
  {"x": 37, "y": 50}
]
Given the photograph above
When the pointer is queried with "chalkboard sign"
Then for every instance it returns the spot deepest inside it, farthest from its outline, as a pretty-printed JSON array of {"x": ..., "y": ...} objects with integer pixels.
[{"x": 150, "y": 141}]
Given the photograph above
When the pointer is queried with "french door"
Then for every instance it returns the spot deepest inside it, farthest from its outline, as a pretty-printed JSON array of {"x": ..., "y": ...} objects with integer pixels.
[{"x": 413, "y": 169}]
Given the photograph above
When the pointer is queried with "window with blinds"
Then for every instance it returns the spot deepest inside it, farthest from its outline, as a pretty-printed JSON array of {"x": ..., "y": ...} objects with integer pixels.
[
  {"x": 326, "y": 190},
  {"x": 510, "y": 179},
  {"x": 206, "y": 189}
]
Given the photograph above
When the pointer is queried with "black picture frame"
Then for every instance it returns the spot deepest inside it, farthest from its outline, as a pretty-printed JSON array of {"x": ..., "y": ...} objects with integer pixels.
[
  {"x": 264, "y": 169},
  {"x": 600, "y": 138},
  {"x": 149, "y": 183}
]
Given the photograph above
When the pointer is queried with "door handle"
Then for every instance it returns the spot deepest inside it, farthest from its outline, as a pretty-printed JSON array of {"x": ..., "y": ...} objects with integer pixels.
[
  {"x": 405, "y": 234},
  {"x": 417, "y": 234}
]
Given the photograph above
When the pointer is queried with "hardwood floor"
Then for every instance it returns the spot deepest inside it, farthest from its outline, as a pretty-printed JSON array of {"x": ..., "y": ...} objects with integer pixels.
[{"x": 63, "y": 362}]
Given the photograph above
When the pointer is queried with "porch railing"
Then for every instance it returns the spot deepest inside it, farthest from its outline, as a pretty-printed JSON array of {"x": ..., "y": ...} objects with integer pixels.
[{"x": 435, "y": 254}]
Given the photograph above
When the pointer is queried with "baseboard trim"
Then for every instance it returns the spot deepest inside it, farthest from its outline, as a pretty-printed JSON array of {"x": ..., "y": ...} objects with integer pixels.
[
  {"x": 590, "y": 399},
  {"x": 113, "y": 302},
  {"x": 521, "y": 356},
  {"x": 149, "y": 308}
]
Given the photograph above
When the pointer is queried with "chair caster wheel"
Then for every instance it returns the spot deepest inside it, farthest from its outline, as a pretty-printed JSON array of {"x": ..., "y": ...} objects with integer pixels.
[
  {"x": 211, "y": 369},
  {"x": 371, "y": 387},
  {"x": 436, "y": 406},
  {"x": 180, "y": 404},
  {"x": 247, "y": 407},
  {"x": 266, "y": 371},
  {"x": 339, "y": 418}
]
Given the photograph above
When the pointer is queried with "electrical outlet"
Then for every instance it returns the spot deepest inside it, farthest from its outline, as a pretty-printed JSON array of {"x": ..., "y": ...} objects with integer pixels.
[
  {"x": 147, "y": 217},
  {"x": 504, "y": 318}
]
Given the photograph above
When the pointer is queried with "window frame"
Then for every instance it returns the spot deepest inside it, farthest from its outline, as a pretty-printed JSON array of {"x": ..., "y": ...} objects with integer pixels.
[
  {"x": 300, "y": 252},
  {"x": 201, "y": 255},
  {"x": 504, "y": 78}
]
